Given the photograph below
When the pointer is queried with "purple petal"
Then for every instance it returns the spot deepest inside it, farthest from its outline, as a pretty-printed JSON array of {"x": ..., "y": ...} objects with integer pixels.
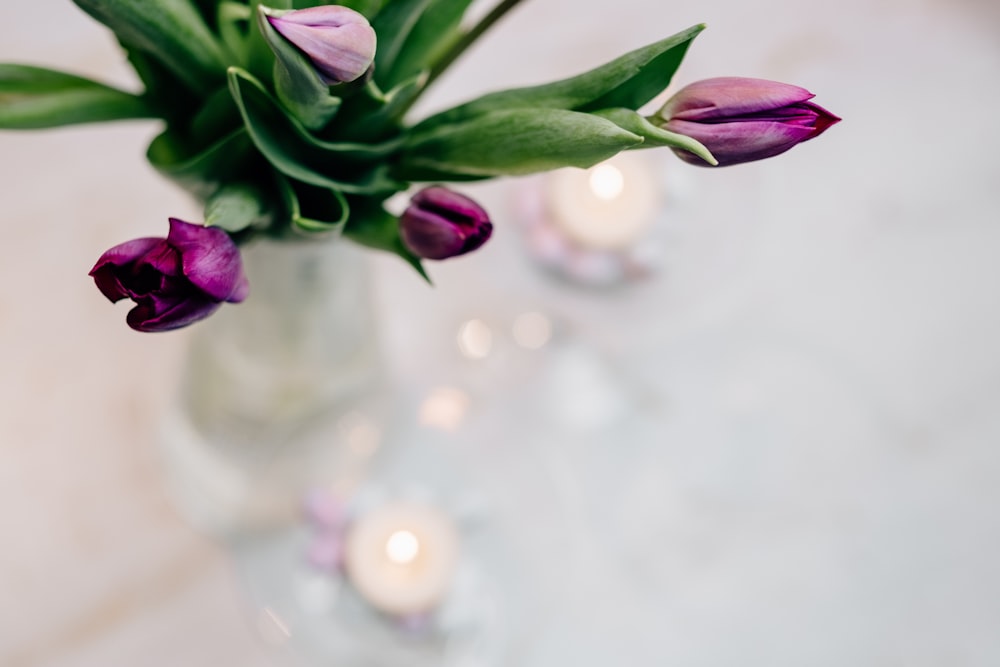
[
  {"x": 161, "y": 259},
  {"x": 430, "y": 235},
  {"x": 477, "y": 237},
  {"x": 210, "y": 260},
  {"x": 126, "y": 253},
  {"x": 453, "y": 205},
  {"x": 242, "y": 289},
  {"x": 105, "y": 271},
  {"x": 328, "y": 16},
  {"x": 441, "y": 223},
  {"x": 339, "y": 41},
  {"x": 824, "y": 119},
  {"x": 729, "y": 96},
  {"x": 157, "y": 313},
  {"x": 733, "y": 143},
  {"x": 106, "y": 279}
]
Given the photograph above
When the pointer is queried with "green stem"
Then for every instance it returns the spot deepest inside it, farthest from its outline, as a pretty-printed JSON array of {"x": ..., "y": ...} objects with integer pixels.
[{"x": 460, "y": 46}]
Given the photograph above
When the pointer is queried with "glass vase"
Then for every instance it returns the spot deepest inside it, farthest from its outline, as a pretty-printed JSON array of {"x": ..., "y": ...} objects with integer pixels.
[
  {"x": 277, "y": 392},
  {"x": 285, "y": 398}
]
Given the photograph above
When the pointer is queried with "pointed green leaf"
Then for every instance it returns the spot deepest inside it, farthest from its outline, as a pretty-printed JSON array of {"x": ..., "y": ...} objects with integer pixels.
[
  {"x": 515, "y": 141},
  {"x": 234, "y": 27},
  {"x": 260, "y": 57},
  {"x": 392, "y": 27},
  {"x": 296, "y": 81},
  {"x": 433, "y": 34},
  {"x": 629, "y": 81},
  {"x": 354, "y": 168},
  {"x": 314, "y": 210},
  {"x": 202, "y": 172},
  {"x": 358, "y": 108},
  {"x": 374, "y": 227},
  {"x": 172, "y": 31},
  {"x": 236, "y": 206},
  {"x": 373, "y": 115},
  {"x": 35, "y": 97},
  {"x": 654, "y": 136},
  {"x": 166, "y": 93}
]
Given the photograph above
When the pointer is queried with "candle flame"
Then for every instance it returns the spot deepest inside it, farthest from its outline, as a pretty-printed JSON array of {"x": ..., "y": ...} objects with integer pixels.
[
  {"x": 444, "y": 408},
  {"x": 402, "y": 547},
  {"x": 607, "y": 181},
  {"x": 532, "y": 330},
  {"x": 475, "y": 339}
]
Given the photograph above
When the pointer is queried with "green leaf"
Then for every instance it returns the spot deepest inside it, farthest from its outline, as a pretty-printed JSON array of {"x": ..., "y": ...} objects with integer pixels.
[
  {"x": 373, "y": 115},
  {"x": 374, "y": 227},
  {"x": 314, "y": 210},
  {"x": 234, "y": 26},
  {"x": 629, "y": 81},
  {"x": 514, "y": 141},
  {"x": 170, "y": 96},
  {"x": 260, "y": 57},
  {"x": 209, "y": 10},
  {"x": 217, "y": 117},
  {"x": 172, "y": 31},
  {"x": 202, "y": 172},
  {"x": 35, "y": 97},
  {"x": 297, "y": 83},
  {"x": 292, "y": 150},
  {"x": 433, "y": 34},
  {"x": 392, "y": 27},
  {"x": 236, "y": 206},
  {"x": 654, "y": 136}
]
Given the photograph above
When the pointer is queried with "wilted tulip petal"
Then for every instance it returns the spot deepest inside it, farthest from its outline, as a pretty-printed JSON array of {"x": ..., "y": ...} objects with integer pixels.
[
  {"x": 440, "y": 223},
  {"x": 741, "y": 120},
  {"x": 173, "y": 281},
  {"x": 339, "y": 41}
]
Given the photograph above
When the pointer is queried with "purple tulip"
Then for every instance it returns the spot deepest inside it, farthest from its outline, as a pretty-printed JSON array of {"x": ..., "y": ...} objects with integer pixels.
[
  {"x": 440, "y": 223},
  {"x": 339, "y": 41},
  {"x": 173, "y": 281},
  {"x": 741, "y": 120}
]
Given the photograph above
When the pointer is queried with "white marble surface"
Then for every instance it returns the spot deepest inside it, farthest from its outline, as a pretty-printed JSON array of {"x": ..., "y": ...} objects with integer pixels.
[{"x": 820, "y": 354}]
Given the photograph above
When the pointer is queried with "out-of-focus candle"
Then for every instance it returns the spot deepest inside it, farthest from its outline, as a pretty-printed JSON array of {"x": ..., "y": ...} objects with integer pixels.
[
  {"x": 401, "y": 557},
  {"x": 608, "y": 206}
]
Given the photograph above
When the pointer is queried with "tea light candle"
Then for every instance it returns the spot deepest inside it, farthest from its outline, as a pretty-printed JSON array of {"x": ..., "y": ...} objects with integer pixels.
[
  {"x": 401, "y": 557},
  {"x": 608, "y": 206}
]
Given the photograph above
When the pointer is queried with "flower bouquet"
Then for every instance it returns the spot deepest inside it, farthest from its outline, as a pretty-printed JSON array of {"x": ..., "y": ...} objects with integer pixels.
[
  {"x": 291, "y": 123},
  {"x": 291, "y": 120}
]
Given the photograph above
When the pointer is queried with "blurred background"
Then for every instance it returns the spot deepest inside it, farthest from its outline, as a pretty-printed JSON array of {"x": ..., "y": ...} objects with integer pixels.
[{"x": 798, "y": 399}]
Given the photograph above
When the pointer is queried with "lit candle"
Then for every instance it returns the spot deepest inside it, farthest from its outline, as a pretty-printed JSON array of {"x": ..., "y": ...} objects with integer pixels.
[
  {"x": 608, "y": 206},
  {"x": 401, "y": 557}
]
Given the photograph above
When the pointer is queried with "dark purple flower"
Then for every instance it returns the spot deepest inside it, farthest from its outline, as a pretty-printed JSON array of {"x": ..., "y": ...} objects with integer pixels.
[
  {"x": 440, "y": 223},
  {"x": 339, "y": 41},
  {"x": 741, "y": 120},
  {"x": 173, "y": 281}
]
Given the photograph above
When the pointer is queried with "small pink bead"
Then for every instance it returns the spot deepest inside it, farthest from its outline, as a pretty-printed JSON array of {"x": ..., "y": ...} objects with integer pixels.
[
  {"x": 323, "y": 509},
  {"x": 326, "y": 552}
]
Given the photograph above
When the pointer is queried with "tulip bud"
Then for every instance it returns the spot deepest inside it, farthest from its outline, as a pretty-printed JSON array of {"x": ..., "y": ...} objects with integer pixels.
[
  {"x": 339, "y": 41},
  {"x": 741, "y": 120},
  {"x": 440, "y": 223},
  {"x": 173, "y": 281}
]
